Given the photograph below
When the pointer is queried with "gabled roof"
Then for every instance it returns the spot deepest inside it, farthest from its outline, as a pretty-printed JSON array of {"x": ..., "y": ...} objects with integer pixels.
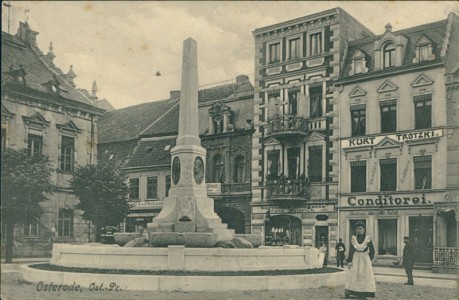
[
  {"x": 435, "y": 31},
  {"x": 118, "y": 152},
  {"x": 152, "y": 153},
  {"x": 16, "y": 52}
]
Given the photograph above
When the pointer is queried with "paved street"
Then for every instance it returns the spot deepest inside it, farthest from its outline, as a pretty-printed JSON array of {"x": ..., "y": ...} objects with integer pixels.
[{"x": 13, "y": 288}]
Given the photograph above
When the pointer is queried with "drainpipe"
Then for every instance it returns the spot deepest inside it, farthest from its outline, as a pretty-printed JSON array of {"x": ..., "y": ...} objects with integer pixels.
[
  {"x": 93, "y": 136},
  {"x": 339, "y": 160}
]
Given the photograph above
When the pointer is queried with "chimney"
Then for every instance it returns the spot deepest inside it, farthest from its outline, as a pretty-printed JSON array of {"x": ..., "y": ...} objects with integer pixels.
[
  {"x": 242, "y": 79},
  {"x": 27, "y": 35},
  {"x": 175, "y": 94}
]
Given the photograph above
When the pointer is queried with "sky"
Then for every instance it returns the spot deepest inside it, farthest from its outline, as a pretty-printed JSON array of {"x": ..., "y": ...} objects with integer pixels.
[{"x": 123, "y": 44}]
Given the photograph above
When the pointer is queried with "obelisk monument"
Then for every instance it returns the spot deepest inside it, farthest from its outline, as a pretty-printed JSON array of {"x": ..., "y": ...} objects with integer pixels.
[{"x": 188, "y": 217}]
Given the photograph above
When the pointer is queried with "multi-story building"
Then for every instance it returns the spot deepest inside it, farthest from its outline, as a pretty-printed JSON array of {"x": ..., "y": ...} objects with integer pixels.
[
  {"x": 294, "y": 149},
  {"x": 44, "y": 112},
  {"x": 398, "y": 118},
  {"x": 140, "y": 137}
]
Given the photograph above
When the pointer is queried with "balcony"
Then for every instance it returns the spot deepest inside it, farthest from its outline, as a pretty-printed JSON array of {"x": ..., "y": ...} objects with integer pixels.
[
  {"x": 446, "y": 257},
  {"x": 283, "y": 189},
  {"x": 288, "y": 126},
  {"x": 235, "y": 188},
  {"x": 317, "y": 124}
]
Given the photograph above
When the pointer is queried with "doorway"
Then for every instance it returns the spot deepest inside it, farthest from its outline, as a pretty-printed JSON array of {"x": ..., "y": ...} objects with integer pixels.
[
  {"x": 283, "y": 230},
  {"x": 421, "y": 234}
]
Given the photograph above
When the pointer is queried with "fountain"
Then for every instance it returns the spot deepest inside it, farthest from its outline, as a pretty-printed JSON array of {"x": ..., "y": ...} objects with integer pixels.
[{"x": 182, "y": 238}]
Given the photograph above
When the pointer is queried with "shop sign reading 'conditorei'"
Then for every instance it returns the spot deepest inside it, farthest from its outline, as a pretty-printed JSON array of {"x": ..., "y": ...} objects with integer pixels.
[
  {"x": 399, "y": 137},
  {"x": 389, "y": 200}
]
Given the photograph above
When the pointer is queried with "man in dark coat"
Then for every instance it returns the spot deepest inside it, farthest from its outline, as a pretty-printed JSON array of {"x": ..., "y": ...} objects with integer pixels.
[
  {"x": 408, "y": 260},
  {"x": 340, "y": 249}
]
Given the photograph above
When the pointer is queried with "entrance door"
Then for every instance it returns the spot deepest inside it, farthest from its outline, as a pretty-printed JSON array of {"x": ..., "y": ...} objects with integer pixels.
[
  {"x": 283, "y": 230},
  {"x": 321, "y": 236},
  {"x": 421, "y": 234}
]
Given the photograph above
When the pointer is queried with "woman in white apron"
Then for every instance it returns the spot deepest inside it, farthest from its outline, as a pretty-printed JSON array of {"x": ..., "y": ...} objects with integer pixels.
[{"x": 361, "y": 279}]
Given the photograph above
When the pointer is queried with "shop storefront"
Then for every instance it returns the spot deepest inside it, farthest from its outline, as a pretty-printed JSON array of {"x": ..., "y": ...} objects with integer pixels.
[
  {"x": 140, "y": 214},
  {"x": 388, "y": 219}
]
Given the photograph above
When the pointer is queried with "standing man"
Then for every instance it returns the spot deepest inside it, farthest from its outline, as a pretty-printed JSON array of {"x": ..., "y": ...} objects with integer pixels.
[
  {"x": 340, "y": 249},
  {"x": 408, "y": 259}
]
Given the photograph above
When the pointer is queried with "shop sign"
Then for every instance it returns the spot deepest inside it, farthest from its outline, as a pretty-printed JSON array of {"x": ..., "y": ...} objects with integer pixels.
[
  {"x": 386, "y": 212},
  {"x": 304, "y": 209},
  {"x": 137, "y": 215},
  {"x": 399, "y": 137},
  {"x": 386, "y": 200},
  {"x": 146, "y": 204},
  {"x": 214, "y": 189}
]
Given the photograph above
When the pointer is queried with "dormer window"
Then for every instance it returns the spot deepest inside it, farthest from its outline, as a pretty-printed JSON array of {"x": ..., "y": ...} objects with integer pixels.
[
  {"x": 423, "y": 49},
  {"x": 389, "y": 55},
  {"x": 359, "y": 63},
  {"x": 274, "y": 53}
]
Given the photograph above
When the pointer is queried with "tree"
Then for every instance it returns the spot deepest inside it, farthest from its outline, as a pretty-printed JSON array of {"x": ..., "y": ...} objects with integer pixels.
[
  {"x": 25, "y": 182},
  {"x": 103, "y": 193}
]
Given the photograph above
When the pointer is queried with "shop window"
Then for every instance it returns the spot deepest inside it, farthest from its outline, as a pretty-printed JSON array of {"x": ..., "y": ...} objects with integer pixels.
[
  {"x": 67, "y": 153},
  {"x": 133, "y": 188},
  {"x": 358, "y": 119},
  {"x": 315, "y": 44},
  {"x": 387, "y": 237},
  {"x": 388, "y": 116},
  {"x": 218, "y": 169},
  {"x": 358, "y": 176},
  {"x": 168, "y": 184},
  {"x": 293, "y": 158},
  {"x": 315, "y": 164},
  {"x": 65, "y": 222},
  {"x": 423, "y": 111},
  {"x": 389, "y": 55},
  {"x": 152, "y": 187},
  {"x": 315, "y": 96},
  {"x": 273, "y": 163},
  {"x": 31, "y": 228},
  {"x": 293, "y": 102},
  {"x": 422, "y": 172},
  {"x": 388, "y": 176},
  {"x": 239, "y": 169},
  {"x": 294, "y": 48},
  {"x": 274, "y": 53},
  {"x": 34, "y": 144}
]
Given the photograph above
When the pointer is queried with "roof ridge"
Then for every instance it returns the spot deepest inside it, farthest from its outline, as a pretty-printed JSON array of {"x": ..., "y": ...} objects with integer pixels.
[{"x": 159, "y": 118}]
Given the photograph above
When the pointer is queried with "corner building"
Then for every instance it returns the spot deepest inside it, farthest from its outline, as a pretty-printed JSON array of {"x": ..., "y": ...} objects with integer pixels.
[
  {"x": 294, "y": 147},
  {"x": 394, "y": 141}
]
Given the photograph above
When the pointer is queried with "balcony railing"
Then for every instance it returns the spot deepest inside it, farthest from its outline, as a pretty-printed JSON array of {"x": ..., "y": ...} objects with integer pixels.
[
  {"x": 285, "y": 189},
  {"x": 287, "y": 123},
  {"x": 230, "y": 188},
  {"x": 446, "y": 256}
]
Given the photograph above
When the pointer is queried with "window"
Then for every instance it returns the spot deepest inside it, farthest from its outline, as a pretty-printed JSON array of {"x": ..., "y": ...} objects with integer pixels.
[
  {"x": 4, "y": 136},
  {"x": 387, "y": 237},
  {"x": 389, "y": 55},
  {"x": 388, "y": 116},
  {"x": 239, "y": 169},
  {"x": 168, "y": 184},
  {"x": 134, "y": 188},
  {"x": 218, "y": 169},
  {"x": 315, "y": 96},
  {"x": 358, "y": 119},
  {"x": 152, "y": 187},
  {"x": 293, "y": 159},
  {"x": 294, "y": 48},
  {"x": 422, "y": 172},
  {"x": 315, "y": 164},
  {"x": 423, "y": 53},
  {"x": 315, "y": 44},
  {"x": 358, "y": 66},
  {"x": 65, "y": 222},
  {"x": 67, "y": 153},
  {"x": 34, "y": 144},
  {"x": 31, "y": 228},
  {"x": 358, "y": 176},
  {"x": 423, "y": 111},
  {"x": 293, "y": 102},
  {"x": 388, "y": 176},
  {"x": 274, "y": 53},
  {"x": 273, "y": 163}
]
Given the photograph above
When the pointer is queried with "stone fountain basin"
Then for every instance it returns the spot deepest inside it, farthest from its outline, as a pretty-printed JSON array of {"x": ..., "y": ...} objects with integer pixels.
[{"x": 185, "y": 259}]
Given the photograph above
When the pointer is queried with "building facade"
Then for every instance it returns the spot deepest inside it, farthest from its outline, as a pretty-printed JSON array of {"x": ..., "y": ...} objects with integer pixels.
[
  {"x": 44, "y": 112},
  {"x": 140, "y": 138},
  {"x": 295, "y": 149},
  {"x": 395, "y": 139}
]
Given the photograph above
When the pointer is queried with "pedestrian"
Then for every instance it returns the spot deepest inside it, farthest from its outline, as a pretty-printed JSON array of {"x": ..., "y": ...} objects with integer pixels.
[
  {"x": 340, "y": 250},
  {"x": 323, "y": 249},
  {"x": 360, "y": 278},
  {"x": 408, "y": 260}
]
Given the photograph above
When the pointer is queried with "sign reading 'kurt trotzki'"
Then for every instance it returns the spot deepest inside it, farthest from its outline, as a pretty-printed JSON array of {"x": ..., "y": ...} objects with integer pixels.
[{"x": 399, "y": 137}]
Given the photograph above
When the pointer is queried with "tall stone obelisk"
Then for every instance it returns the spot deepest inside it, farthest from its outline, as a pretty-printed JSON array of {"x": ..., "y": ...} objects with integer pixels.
[{"x": 188, "y": 217}]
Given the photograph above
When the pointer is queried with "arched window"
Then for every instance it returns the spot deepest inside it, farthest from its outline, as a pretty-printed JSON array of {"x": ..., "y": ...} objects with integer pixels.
[
  {"x": 239, "y": 169},
  {"x": 218, "y": 169},
  {"x": 389, "y": 55}
]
